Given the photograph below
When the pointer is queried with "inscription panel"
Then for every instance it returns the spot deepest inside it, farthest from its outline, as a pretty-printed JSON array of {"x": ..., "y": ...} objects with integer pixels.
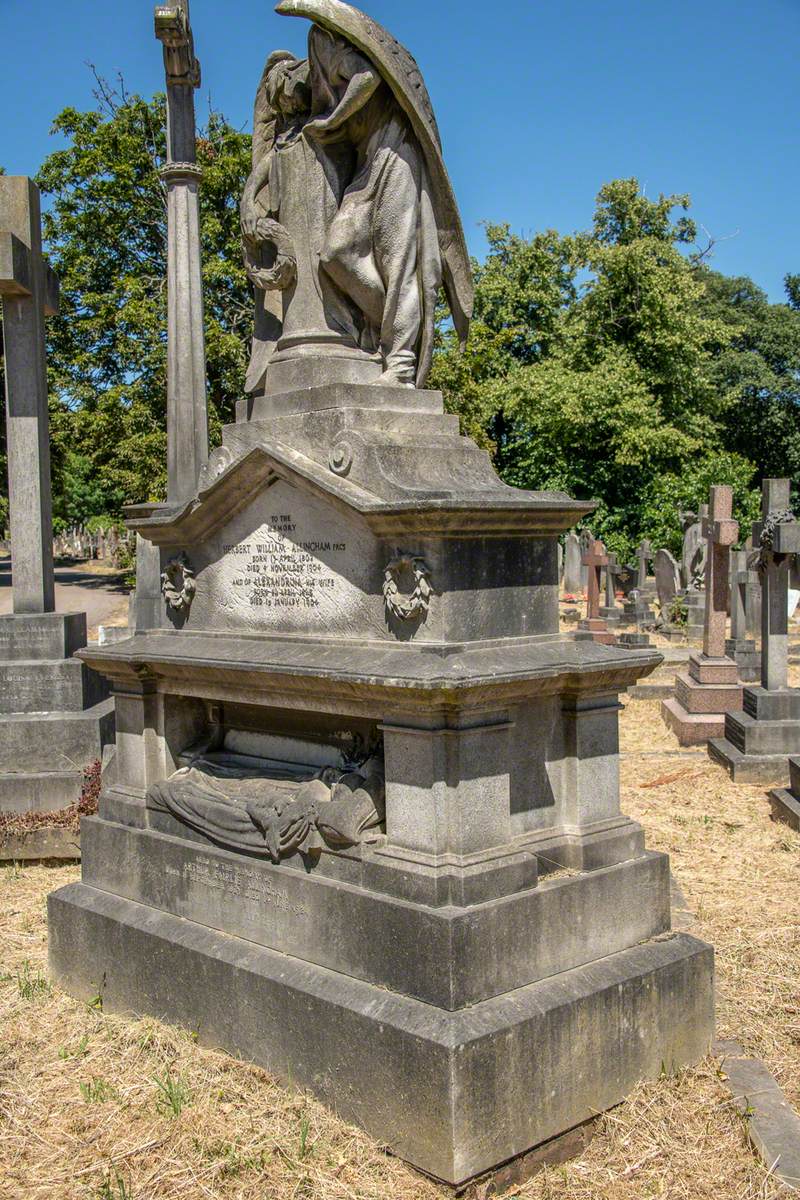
[
  {"x": 289, "y": 563},
  {"x": 244, "y": 883}
]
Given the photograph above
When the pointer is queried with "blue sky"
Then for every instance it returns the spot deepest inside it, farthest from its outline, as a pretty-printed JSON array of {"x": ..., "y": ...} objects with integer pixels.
[{"x": 539, "y": 103}]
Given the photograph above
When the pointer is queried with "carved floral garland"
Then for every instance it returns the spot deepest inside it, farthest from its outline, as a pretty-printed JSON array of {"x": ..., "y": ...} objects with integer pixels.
[{"x": 415, "y": 605}]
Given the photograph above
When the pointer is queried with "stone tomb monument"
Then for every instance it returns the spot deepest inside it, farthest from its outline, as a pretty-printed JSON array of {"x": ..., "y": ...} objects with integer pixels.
[
  {"x": 55, "y": 715},
  {"x": 758, "y": 741},
  {"x": 711, "y": 687},
  {"x": 354, "y": 751}
]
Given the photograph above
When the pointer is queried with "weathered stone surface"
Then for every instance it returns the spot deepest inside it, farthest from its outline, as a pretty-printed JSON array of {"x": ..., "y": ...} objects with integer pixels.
[
  {"x": 54, "y": 842},
  {"x": 300, "y": 1021},
  {"x": 38, "y": 686},
  {"x": 773, "y": 1127},
  {"x": 400, "y": 945},
  {"x": 39, "y": 791},
  {"x": 667, "y": 573},
  {"x": 572, "y": 564},
  {"x": 785, "y": 807},
  {"x": 55, "y": 741},
  {"x": 41, "y": 636},
  {"x": 30, "y": 292}
]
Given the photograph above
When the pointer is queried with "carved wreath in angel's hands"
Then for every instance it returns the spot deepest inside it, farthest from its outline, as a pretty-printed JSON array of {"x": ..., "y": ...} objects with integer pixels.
[
  {"x": 177, "y": 584},
  {"x": 417, "y": 602}
]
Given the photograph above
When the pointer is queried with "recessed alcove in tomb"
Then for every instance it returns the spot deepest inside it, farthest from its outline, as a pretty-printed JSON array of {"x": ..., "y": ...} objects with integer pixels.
[{"x": 364, "y": 826}]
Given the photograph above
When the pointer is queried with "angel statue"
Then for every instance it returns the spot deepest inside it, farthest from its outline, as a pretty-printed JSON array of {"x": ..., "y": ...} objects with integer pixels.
[{"x": 349, "y": 221}]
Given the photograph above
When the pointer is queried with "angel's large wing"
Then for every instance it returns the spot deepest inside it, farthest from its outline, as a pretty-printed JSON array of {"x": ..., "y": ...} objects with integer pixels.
[{"x": 400, "y": 71}]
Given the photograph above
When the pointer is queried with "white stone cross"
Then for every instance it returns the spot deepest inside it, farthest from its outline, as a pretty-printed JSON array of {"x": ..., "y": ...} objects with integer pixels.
[
  {"x": 720, "y": 532},
  {"x": 30, "y": 293}
]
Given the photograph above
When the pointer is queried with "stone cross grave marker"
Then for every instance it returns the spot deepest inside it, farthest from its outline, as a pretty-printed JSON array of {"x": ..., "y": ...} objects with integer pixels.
[
  {"x": 187, "y": 415},
  {"x": 779, "y": 537},
  {"x": 644, "y": 555},
  {"x": 594, "y": 559},
  {"x": 30, "y": 293},
  {"x": 720, "y": 532}
]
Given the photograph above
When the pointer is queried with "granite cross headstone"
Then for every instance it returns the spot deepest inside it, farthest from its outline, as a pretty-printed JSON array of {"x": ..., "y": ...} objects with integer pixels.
[
  {"x": 594, "y": 560},
  {"x": 30, "y": 293}
]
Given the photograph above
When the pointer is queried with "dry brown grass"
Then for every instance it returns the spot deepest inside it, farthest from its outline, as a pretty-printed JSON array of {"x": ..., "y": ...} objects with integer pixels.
[{"x": 82, "y": 1115}]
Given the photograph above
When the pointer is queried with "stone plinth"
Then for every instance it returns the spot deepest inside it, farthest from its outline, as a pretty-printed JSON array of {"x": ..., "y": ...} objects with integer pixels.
[
  {"x": 703, "y": 695},
  {"x": 595, "y": 630},
  {"x": 746, "y": 656},
  {"x": 55, "y": 719},
  {"x": 634, "y": 641},
  {"x": 757, "y": 742}
]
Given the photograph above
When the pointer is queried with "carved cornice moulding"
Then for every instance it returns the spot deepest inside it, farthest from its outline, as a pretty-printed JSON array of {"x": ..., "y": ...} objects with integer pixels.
[{"x": 504, "y": 512}]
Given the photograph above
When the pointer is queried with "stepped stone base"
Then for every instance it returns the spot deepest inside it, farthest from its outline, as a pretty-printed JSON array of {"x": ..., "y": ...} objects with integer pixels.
[
  {"x": 758, "y": 741},
  {"x": 749, "y": 768},
  {"x": 492, "y": 1080},
  {"x": 60, "y": 741},
  {"x": 39, "y": 791},
  {"x": 47, "y": 842},
  {"x": 633, "y": 641},
  {"x": 703, "y": 695},
  {"x": 592, "y": 629},
  {"x": 691, "y": 729},
  {"x": 56, "y": 718}
]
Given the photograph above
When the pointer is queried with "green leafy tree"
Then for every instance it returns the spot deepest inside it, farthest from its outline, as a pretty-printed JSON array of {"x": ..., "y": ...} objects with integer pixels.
[
  {"x": 105, "y": 229},
  {"x": 755, "y": 370},
  {"x": 621, "y": 388}
]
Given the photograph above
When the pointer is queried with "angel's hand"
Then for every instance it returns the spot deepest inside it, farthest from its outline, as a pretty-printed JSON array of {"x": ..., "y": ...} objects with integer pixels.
[{"x": 319, "y": 129}]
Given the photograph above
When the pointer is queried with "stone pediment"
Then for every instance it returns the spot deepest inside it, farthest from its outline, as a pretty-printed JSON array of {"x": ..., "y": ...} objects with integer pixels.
[{"x": 231, "y": 482}]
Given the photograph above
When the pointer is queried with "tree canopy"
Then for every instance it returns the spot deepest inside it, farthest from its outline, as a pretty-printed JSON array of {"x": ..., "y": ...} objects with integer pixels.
[{"x": 611, "y": 363}]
